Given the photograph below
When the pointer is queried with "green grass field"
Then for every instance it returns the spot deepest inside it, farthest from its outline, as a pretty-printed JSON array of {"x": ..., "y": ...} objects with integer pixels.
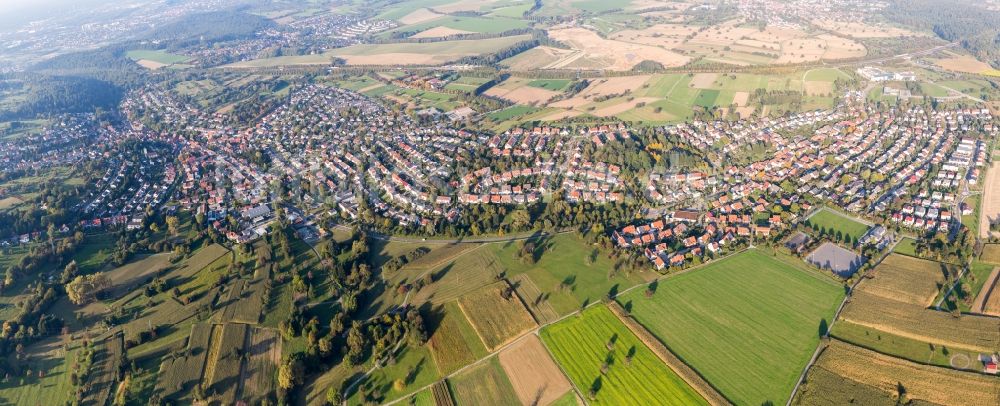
[
  {"x": 550, "y": 84},
  {"x": 580, "y": 345},
  {"x": 483, "y": 384},
  {"x": 563, "y": 262},
  {"x": 835, "y": 222},
  {"x": 706, "y": 98},
  {"x": 413, "y": 365},
  {"x": 156, "y": 56},
  {"x": 747, "y": 323},
  {"x": 511, "y": 112},
  {"x": 53, "y": 388}
]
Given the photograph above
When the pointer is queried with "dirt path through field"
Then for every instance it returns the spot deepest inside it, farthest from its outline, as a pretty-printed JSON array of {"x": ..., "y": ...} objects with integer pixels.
[{"x": 988, "y": 300}]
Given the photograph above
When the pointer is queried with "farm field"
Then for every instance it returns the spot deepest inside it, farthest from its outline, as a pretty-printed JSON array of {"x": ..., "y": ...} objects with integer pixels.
[
  {"x": 154, "y": 59},
  {"x": 413, "y": 366},
  {"x": 921, "y": 382},
  {"x": 533, "y": 373},
  {"x": 990, "y": 254},
  {"x": 483, "y": 384},
  {"x": 988, "y": 296},
  {"x": 496, "y": 320},
  {"x": 747, "y": 323},
  {"x": 905, "y": 348},
  {"x": 584, "y": 344},
  {"x": 822, "y": 387},
  {"x": 837, "y": 224},
  {"x": 453, "y": 343},
  {"x": 906, "y": 279},
  {"x": 969, "y": 332}
]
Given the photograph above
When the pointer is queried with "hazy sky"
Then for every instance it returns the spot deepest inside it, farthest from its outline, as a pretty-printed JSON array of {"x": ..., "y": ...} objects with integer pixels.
[{"x": 18, "y": 12}]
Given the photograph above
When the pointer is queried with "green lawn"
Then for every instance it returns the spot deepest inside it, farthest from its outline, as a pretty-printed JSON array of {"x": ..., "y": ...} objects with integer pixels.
[
  {"x": 53, "y": 388},
  {"x": 706, "y": 98},
  {"x": 835, "y": 222},
  {"x": 747, "y": 323},
  {"x": 580, "y": 345},
  {"x": 825, "y": 74},
  {"x": 550, "y": 84}
]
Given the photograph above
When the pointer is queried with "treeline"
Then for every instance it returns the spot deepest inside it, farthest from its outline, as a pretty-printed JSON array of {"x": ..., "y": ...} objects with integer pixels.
[
  {"x": 47, "y": 95},
  {"x": 208, "y": 28},
  {"x": 975, "y": 26},
  {"x": 406, "y": 37}
]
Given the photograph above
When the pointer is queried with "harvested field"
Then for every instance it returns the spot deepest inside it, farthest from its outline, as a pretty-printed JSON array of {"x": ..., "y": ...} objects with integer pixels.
[
  {"x": 584, "y": 344},
  {"x": 988, "y": 300},
  {"x": 535, "y": 377},
  {"x": 704, "y": 80},
  {"x": 418, "y": 16},
  {"x": 747, "y": 323},
  {"x": 536, "y": 58},
  {"x": 901, "y": 347},
  {"x": 532, "y": 296},
  {"x": 561, "y": 115},
  {"x": 822, "y": 387},
  {"x": 438, "y": 32},
  {"x": 613, "y": 55},
  {"x": 483, "y": 384},
  {"x": 151, "y": 65},
  {"x": 965, "y": 64},
  {"x": 454, "y": 343},
  {"x": 990, "y": 204},
  {"x": 243, "y": 302},
  {"x": 683, "y": 370},
  {"x": 522, "y": 94},
  {"x": 497, "y": 320},
  {"x": 991, "y": 254},
  {"x": 906, "y": 279},
  {"x": 973, "y": 333},
  {"x": 921, "y": 382}
]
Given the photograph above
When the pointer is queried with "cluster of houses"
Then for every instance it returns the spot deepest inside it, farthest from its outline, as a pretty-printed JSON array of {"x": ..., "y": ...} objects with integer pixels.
[{"x": 673, "y": 188}]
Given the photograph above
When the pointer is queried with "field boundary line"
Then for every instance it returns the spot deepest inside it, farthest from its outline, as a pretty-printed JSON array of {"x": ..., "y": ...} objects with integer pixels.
[{"x": 684, "y": 370}]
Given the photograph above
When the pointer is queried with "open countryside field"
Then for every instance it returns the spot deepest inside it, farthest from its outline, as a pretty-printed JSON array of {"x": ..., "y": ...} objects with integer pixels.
[
  {"x": 596, "y": 339},
  {"x": 483, "y": 384},
  {"x": 747, "y": 323},
  {"x": 495, "y": 319},
  {"x": 533, "y": 373},
  {"x": 990, "y": 204},
  {"x": 920, "y": 382}
]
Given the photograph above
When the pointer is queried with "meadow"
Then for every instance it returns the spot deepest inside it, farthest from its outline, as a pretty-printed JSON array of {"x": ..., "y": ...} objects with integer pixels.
[
  {"x": 163, "y": 57},
  {"x": 899, "y": 346},
  {"x": 747, "y": 323},
  {"x": 596, "y": 340}
]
